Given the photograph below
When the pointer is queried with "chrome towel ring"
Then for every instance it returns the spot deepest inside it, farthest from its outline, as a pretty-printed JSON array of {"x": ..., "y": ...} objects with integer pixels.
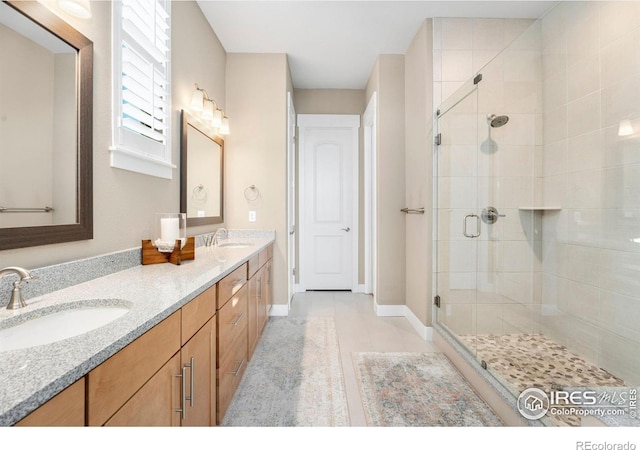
[{"x": 251, "y": 193}]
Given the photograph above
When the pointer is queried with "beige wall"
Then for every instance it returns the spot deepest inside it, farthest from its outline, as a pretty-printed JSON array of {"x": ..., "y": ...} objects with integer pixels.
[
  {"x": 418, "y": 84},
  {"x": 387, "y": 79},
  {"x": 256, "y": 150},
  {"x": 125, "y": 202},
  {"x": 329, "y": 101}
]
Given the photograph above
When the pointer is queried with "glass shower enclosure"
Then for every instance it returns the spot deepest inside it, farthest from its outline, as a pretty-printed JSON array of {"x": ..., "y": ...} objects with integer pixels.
[{"x": 537, "y": 221}]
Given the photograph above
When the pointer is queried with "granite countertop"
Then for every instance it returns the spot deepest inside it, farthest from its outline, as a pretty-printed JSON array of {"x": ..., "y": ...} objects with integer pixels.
[{"x": 29, "y": 377}]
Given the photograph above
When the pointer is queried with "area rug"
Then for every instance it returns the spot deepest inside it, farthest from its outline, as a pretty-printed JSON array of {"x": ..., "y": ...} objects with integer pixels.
[
  {"x": 417, "y": 389},
  {"x": 294, "y": 377}
]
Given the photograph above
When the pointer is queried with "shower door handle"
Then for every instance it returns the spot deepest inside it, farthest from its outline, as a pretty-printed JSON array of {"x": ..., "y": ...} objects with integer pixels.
[{"x": 464, "y": 226}]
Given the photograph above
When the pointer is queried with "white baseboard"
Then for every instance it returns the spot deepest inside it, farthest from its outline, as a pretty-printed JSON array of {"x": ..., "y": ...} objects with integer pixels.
[
  {"x": 424, "y": 331},
  {"x": 279, "y": 310},
  {"x": 390, "y": 310}
]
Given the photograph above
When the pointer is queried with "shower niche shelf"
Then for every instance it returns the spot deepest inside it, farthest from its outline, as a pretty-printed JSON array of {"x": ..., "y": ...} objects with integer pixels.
[{"x": 539, "y": 208}]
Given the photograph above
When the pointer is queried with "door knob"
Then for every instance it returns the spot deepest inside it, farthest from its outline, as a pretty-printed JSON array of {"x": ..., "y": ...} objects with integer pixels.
[{"x": 346, "y": 229}]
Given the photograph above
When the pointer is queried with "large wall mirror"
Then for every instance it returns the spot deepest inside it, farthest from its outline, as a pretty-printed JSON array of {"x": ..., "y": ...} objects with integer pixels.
[
  {"x": 46, "y": 128},
  {"x": 201, "y": 173}
]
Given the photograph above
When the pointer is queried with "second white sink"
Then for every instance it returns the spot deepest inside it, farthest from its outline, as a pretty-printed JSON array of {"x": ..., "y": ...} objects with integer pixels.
[
  {"x": 235, "y": 245},
  {"x": 57, "y": 326}
]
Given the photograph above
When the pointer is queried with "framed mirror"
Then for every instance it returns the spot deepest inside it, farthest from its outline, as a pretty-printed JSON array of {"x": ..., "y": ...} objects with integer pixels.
[
  {"x": 46, "y": 128},
  {"x": 201, "y": 173}
]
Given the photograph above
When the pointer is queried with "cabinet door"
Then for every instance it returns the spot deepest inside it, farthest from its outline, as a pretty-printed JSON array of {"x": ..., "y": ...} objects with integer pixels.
[
  {"x": 266, "y": 294},
  {"x": 254, "y": 312},
  {"x": 115, "y": 381},
  {"x": 64, "y": 410},
  {"x": 156, "y": 403},
  {"x": 198, "y": 371}
]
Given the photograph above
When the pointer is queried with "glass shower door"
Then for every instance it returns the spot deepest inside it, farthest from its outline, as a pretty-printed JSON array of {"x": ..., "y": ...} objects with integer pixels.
[{"x": 458, "y": 226}]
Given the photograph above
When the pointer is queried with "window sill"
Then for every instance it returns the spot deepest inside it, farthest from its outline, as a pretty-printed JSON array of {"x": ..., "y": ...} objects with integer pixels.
[{"x": 122, "y": 158}]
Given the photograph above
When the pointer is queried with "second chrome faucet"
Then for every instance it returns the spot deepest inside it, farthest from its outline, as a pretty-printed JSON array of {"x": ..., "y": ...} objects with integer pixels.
[{"x": 214, "y": 239}]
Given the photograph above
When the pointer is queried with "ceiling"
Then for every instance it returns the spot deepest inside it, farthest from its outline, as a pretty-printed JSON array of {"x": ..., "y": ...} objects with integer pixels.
[{"x": 334, "y": 44}]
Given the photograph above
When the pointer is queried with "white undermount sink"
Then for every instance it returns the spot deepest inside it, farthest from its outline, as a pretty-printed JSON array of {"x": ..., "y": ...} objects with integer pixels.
[
  {"x": 58, "y": 325},
  {"x": 235, "y": 244}
]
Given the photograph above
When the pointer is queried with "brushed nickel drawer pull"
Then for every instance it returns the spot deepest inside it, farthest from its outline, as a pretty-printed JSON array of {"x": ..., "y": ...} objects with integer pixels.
[
  {"x": 183, "y": 402},
  {"x": 192, "y": 366},
  {"x": 237, "y": 371},
  {"x": 235, "y": 322}
]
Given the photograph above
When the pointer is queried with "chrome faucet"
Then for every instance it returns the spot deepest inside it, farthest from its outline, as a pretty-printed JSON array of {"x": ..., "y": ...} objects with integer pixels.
[
  {"x": 16, "y": 300},
  {"x": 216, "y": 237}
]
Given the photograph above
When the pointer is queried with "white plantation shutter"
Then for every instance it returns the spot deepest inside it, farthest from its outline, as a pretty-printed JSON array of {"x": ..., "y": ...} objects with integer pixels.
[{"x": 142, "y": 90}]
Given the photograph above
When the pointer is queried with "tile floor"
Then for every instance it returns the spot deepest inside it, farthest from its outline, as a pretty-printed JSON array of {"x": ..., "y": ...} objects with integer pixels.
[{"x": 359, "y": 330}]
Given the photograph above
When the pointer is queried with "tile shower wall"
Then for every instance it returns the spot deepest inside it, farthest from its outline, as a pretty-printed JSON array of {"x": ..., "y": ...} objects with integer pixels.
[
  {"x": 489, "y": 284},
  {"x": 591, "y": 249}
]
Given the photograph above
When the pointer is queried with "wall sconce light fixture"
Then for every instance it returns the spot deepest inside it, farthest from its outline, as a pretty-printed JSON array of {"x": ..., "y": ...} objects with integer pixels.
[
  {"x": 77, "y": 8},
  {"x": 209, "y": 112}
]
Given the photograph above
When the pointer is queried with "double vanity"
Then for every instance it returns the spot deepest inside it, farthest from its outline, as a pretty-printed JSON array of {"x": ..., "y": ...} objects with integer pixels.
[{"x": 162, "y": 344}]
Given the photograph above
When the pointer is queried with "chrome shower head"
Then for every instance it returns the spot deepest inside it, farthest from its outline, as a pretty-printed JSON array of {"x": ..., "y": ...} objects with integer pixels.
[{"x": 497, "y": 121}]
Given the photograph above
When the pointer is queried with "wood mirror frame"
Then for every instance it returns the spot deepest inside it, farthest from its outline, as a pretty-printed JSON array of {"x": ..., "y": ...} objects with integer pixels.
[{"x": 30, "y": 236}]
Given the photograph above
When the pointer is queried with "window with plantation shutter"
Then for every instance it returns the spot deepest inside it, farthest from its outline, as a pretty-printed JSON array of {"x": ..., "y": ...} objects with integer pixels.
[{"x": 142, "y": 88}]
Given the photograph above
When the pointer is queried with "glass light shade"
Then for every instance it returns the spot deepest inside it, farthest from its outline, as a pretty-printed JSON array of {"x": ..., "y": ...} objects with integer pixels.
[
  {"x": 197, "y": 100},
  {"x": 77, "y": 8},
  {"x": 168, "y": 228},
  {"x": 625, "y": 128},
  {"x": 207, "y": 112},
  {"x": 216, "y": 122},
  {"x": 224, "y": 128}
]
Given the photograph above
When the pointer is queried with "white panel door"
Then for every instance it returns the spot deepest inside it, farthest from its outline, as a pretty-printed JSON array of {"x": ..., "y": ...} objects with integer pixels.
[{"x": 329, "y": 213}]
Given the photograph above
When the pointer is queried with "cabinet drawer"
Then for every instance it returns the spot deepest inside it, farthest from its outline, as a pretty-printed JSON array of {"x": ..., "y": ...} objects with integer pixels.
[
  {"x": 115, "y": 381},
  {"x": 232, "y": 325},
  {"x": 231, "y": 284},
  {"x": 254, "y": 265},
  {"x": 229, "y": 375},
  {"x": 264, "y": 256},
  {"x": 197, "y": 312}
]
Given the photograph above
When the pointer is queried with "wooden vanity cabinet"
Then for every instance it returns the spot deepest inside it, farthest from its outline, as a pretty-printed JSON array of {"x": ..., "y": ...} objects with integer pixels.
[
  {"x": 66, "y": 409},
  {"x": 208, "y": 342}
]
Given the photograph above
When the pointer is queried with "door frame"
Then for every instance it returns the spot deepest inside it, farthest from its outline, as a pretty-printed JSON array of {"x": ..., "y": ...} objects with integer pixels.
[
  {"x": 291, "y": 197},
  {"x": 351, "y": 121},
  {"x": 369, "y": 143}
]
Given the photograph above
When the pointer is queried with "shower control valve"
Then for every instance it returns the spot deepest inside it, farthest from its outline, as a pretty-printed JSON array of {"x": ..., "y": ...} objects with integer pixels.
[{"x": 490, "y": 215}]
